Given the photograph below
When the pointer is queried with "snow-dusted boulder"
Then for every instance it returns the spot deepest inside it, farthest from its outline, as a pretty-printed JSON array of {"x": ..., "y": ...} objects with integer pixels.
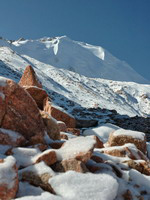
[
  {"x": 37, "y": 175},
  {"x": 79, "y": 148},
  {"x": 122, "y": 136},
  {"x": 8, "y": 178}
]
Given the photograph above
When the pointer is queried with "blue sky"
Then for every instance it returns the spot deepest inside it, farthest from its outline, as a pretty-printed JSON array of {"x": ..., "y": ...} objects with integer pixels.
[{"x": 120, "y": 26}]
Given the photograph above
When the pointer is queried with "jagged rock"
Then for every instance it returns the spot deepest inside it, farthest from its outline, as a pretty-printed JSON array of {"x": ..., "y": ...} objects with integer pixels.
[
  {"x": 38, "y": 94},
  {"x": 48, "y": 156},
  {"x": 74, "y": 131},
  {"x": 71, "y": 164},
  {"x": 8, "y": 137},
  {"x": 8, "y": 178},
  {"x": 38, "y": 175},
  {"x": 51, "y": 125},
  {"x": 29, "y": 78},
  {"x": 21, "y": 112},
  {"x": 121, "y": 137},
  {"x": 62, "y": 126}
]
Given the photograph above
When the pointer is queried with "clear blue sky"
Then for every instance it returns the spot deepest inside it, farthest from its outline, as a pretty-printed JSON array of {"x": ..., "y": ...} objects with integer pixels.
[{"x": 120, "y": 26}]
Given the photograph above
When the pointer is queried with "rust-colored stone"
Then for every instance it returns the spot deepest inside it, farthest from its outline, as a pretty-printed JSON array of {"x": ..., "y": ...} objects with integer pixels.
[
  {"x": 74, "y": 131},
  {"x": 29, "y": 78},
  {"x": 48, "y": 156},
  {"x": 62, "y": 126}
]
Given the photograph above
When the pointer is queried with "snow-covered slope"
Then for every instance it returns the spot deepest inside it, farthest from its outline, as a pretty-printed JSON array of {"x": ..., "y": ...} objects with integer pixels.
[
  {"x": 71, "y": 90},
  {"x": 88, "y": 60}
]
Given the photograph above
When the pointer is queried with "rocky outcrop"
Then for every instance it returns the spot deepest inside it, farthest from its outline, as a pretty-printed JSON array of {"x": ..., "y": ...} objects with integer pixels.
[
  {"x": 21, "y": 113},
  {"x": 51, "y": 125},
  {"x": 62, "y": 126},
  {"x": 29, "y": 78},
  {"x": 8, "y": 178}
]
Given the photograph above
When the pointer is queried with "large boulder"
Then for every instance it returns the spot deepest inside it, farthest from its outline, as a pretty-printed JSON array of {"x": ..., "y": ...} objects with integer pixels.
[
  {"x": 122, "y": 136},
  {"x": 51, "y": 125},
  {"x": 38, "y": 94},
  {"x": 8, "y": 178},
  {"x": 29, "y": 78},
  {"x": 20, "y": 112}
]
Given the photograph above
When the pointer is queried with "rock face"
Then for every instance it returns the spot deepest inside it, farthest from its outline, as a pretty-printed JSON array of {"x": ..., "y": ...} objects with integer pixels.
[
  {"x": 37, "y": 94},
  {"x": 121, "y": 137},
  {"x": 47, "y": 105},
  {"x": 62, "y": 126},
  {"x": 8, "y": 178},
  {"x": 20, "y": 112},
  {"x": 62, "y": 116},
  {"x": 51, "y": 125},
  {"x": 29, "y": 78}
]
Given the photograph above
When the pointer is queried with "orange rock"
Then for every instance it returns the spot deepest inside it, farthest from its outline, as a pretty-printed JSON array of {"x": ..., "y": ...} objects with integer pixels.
[
  {"x": 99, "y": 143},
  {"x": 51, "y": 125},
  {"x": 21, "y": 112},
  {"x": 74, "y": 131},
  {"x": 84, "y": 156},
  {"x": 62, "y": 126},
  {"x": 8, "y": 179},
  {"x": 60, "y": 115},
  {"x": 38, "y": 94},
  {"x": 48, "y": 156},
  {"x": 29, "y": 78}
]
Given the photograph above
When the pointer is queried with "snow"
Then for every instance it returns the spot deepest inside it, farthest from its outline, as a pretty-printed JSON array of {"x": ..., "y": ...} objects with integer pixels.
[
  {"x": 7, "y": 172},
  {"x": 134, "y": 134},
  {"x": 12, "y": 134},
  {"x": 72, "y": 185},
  {"x": 25, "y": 156},
  {"x": 3, "y": 81},
  {"x": 39, "y": 169},
  {"x": 74, "y": 146},
  {"x": 102, "y": 132}
]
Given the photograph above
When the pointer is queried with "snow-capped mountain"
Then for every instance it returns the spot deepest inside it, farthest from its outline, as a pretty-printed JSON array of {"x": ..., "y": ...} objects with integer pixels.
[
  {"x": 88, "y": 60},
  {"x": 51, "y": 59}
]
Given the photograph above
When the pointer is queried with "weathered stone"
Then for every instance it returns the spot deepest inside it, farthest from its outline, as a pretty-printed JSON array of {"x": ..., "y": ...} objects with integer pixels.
[
  {"x": 127, "y": 195},
  {"x": 21, "y": 112},
  {"x": 51, "y": 125},
  {"x": 29, "y": 78},
  {"x": 47, "y": 105},
  {"x": 38, "y": 94},
  {"x": 71, "y": 164},
  {"x": 48, "y": 156},
  {"x": 141, "y": 166},
  {"x": 99, "y": 143},
  {"x": 8, "y": 178},
  {"x": 121, "y": 139}
]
